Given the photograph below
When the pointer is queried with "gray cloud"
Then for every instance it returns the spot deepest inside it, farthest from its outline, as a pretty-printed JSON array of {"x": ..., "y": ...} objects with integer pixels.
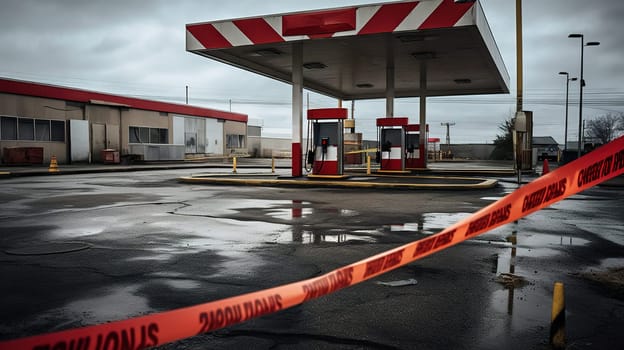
[{"x": 138, "y": 48}]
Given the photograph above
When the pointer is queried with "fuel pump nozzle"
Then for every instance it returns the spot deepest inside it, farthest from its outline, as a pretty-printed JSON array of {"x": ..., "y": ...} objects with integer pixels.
[{"x": 324, "y": 144}]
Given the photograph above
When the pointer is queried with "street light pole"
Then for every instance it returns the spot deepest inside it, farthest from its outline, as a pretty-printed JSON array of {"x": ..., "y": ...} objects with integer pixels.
[
  {"x": 580, "y": 126},
  {"x": 565, "y": 136}
]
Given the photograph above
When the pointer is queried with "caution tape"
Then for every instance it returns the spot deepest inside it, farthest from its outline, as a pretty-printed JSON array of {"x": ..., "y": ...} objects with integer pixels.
[{"x": 160, "y": 328}]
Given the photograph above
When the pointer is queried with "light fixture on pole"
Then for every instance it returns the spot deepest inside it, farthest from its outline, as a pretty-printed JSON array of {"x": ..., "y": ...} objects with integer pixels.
[
  {"x": 565, "y": 136},
  {"x": 580, "y": 126}
]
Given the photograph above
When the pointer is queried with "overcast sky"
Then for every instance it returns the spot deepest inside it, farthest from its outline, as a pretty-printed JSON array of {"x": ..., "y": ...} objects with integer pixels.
[{"x": 138, "y": 48}]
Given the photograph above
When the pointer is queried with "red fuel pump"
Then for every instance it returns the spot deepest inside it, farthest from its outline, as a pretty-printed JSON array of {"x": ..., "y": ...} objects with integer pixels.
[
  {"x": 325, "y": 147},
  {"x": 414, "y": 154},
  {"x": 391, "y": 143}
]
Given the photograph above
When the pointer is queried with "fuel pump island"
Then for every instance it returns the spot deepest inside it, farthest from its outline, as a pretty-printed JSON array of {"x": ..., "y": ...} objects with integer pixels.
[{"x": 374, "y": 51}]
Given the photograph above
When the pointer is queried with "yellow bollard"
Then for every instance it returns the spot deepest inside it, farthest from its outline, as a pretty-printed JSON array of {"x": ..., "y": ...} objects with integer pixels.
[
  {"x": 368, "y": 169},
  {"x": 234, "y": 165},
  {"x": 272, "y": 165},
  {"x": 557, "y": 318}
]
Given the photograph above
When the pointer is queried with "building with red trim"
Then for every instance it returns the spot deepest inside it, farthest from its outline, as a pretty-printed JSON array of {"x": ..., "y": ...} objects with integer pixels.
[{"x": 77, "y": 125}]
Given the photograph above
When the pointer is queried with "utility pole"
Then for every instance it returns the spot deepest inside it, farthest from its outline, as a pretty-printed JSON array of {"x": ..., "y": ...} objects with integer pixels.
[
  {"x": 518, "y": 136},
  {"x": 448, "y": 135}
]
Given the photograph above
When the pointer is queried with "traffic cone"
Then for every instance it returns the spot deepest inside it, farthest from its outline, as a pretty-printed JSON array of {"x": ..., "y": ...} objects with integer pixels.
[
  {"x": 545, "y": 169},
  {"x": 53, "y": 165}
]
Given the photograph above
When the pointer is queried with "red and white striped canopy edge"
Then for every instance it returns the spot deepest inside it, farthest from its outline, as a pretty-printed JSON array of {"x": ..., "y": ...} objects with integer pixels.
[{"x": 361, "y": 20}]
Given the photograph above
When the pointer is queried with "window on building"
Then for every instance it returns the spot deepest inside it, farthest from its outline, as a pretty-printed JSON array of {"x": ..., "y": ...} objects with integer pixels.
[
  {"x": 148, "y": 135},
  {"x": 42, "y": 130},
  {"x": 57, "y": 130},
  {"x": 163, "y": 136},
  {"x": 28, "y": 129},
  {"x": 8, "y": 128},
  {"x": 235, "y": 141},
  {"x": 25, "y": 129}
]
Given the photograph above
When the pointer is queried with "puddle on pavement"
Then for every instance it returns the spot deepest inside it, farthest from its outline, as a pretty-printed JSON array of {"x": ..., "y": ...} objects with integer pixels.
[
  {"x": 517, "y": 310},
  {"x": 289, "y": 214},
  {"x": 542, "y": 240},
  {"x": 301, "y": 209},
  {"x": 611, "y": 263},
  {"x": 98, "y": 309},
  {"x": 299, "y": 235},
  {"x": 176, "y": 280},
  {"x": 430, "y": 223},
  {"x": 517, "y": 305},
  {"x": 408, "y": 226},
  {"x": 157, "y": 257},
  {"x": 607, "y": 229},
  {"x": 491, "y": 198},
  {"x": 201, "y": 234},
  {"x": 435, "y": 222},
  {"x": 438, "y": 221},
  {"x": 226, "y": 206},
  {"x": 537, "y": 246},
  {"x": 79, "y": 231}
]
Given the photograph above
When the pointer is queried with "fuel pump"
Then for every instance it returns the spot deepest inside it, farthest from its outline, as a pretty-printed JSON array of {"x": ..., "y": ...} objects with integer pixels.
[
  {"x": 391, "y": 143},
  {"x": 414, "y": 154},
  {"x": 325, "y": 153}
]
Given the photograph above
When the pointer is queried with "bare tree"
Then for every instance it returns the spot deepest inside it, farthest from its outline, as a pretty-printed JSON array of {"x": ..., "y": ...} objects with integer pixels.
[{"x": 606, "y": 127}]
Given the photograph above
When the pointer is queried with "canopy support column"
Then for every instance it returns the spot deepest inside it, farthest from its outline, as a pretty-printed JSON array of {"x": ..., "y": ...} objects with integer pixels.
[
  {"x": 297, "y": 108},
  {"x": 422, "y": 140}
]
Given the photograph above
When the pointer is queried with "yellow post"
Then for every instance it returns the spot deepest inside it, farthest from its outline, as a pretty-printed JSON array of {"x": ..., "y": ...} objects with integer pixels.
[
  {"x": 234, "y": 165},
  {"x": 557, "y": 318},
  {"x": 368, "y": 169},
  {"x": 272, "y": 165}
]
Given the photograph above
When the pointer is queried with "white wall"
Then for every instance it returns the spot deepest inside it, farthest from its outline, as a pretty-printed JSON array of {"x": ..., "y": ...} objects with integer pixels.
[{"x": 214, "y": 136}]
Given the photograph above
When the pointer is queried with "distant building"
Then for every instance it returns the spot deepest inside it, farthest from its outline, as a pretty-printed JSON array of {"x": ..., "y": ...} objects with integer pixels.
[
  {"x": 76, "y": 125},
  {"x": 254, "y": 138},
  {"x": 546, "y": 148}
]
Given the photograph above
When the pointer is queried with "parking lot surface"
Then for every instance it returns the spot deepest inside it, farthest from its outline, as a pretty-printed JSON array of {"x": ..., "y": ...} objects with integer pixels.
[{"x": 83, "y": 249}]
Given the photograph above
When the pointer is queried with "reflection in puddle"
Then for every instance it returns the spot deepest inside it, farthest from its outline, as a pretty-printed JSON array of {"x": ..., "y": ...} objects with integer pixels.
[
  {"x": 302, "y": 236},
  {"x": 289, "y": 214},
  {"x": 491, "y": 198},
  {"x": 159, "y": 257},
  {"x": 611, "y": 263},
  {"x": 517, "y": 297},
  {"x": 409, "y": 227},
  {"x": 78, "y": 231},
  {"x": 98, "y": 309},
  {"x": 608, "y": 229},
  {"x": 539, "y": 240},
  {"x": 434, "y": 222},
  {"x": 430, "y": 223},
  {"x": 225, "y": 207},
  {"x": 182, "y": 284},
  {"x": 301, "y": 209}
]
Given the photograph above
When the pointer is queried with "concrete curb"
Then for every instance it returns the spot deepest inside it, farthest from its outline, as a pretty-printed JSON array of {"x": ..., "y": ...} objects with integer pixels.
[{"x": 254, "y": 180}]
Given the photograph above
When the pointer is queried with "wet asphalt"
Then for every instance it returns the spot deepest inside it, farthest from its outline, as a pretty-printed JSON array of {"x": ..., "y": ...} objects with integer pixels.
[{"x": 84, "y": 249}]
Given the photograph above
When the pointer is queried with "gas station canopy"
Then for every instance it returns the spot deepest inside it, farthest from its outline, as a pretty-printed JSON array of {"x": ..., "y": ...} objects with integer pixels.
[{"x": 348, "y": 52}]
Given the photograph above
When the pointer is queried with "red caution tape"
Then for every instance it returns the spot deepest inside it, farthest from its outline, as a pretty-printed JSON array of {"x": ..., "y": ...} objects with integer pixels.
[{"x": 156, "y": 329}]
